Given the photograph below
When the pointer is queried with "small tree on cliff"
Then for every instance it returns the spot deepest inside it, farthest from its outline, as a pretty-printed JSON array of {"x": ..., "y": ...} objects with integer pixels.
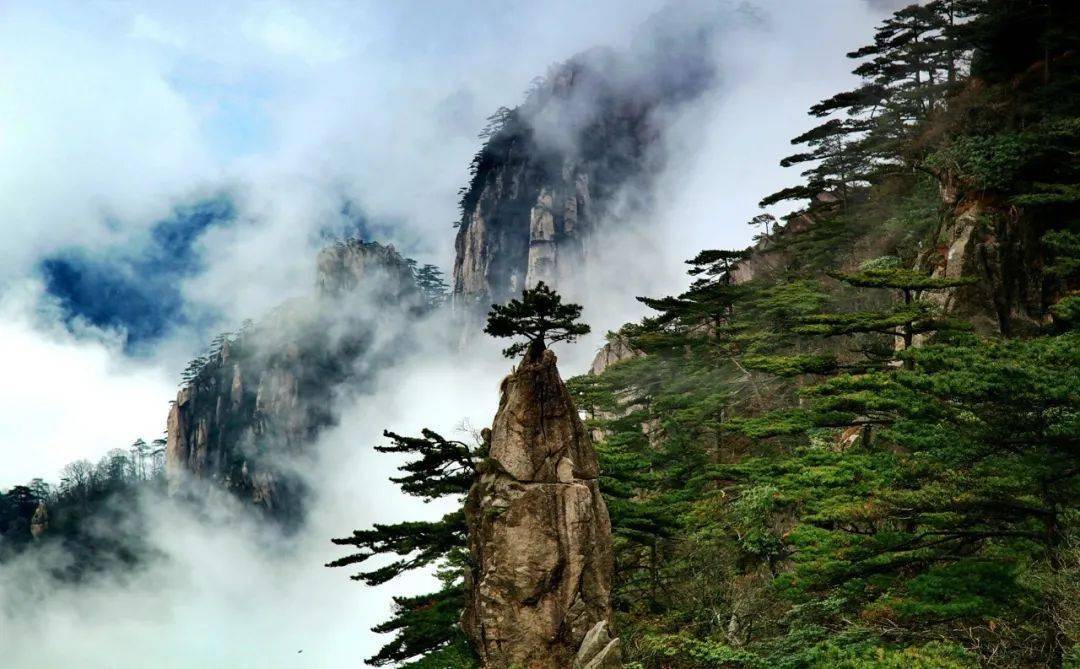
[{"x": 539, "y": 317}]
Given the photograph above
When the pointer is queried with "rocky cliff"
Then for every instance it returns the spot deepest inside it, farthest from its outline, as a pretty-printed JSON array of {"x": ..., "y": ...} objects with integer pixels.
[
  {"x": 39, "y": 522},
  {"x": 577, "y": 156},
  {"x": 253, "y": 406},
  {"x": 535, "y": 198},
  {"x": 539, "y": 534},
  {"x": 990, "y": 240}
]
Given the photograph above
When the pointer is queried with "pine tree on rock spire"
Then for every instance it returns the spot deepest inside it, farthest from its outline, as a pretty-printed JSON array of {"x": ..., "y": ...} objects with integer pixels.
[{"x": 540, "y": 317}]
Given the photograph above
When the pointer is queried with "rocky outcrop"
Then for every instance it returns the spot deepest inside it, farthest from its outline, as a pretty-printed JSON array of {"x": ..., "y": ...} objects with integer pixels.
[
  {"x": 616, "y": 349},
  {"x": 538, "y": 194},
  {"x": 539, "y": 533},
  {"x": 39, "y": 522},
  {"x": 599, "y": 650},
  {"x": 345, "y": 266},
  {"x": 980, "y": 237},
  {"x": 989, "y": 240},
  {"x": 248, "y": 414},
  {"x": 580, "y": 154},
  {"x": 770, "y": 254},
  {"x": 238, "y": 422}
]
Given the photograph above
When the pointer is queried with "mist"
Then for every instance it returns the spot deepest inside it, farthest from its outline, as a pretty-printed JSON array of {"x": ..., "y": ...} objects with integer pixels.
[
  {"x": 229, "y": 590},
  {"x": 316, "y": 121}
]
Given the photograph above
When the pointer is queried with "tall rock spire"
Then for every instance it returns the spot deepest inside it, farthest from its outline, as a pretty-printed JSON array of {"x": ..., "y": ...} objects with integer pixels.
[
  {"x": 580, "y": 156},
  {"x": 539, "y": 534}
]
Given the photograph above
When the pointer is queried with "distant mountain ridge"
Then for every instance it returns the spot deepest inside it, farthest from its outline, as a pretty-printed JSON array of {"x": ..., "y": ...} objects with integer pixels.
[{"x": 250, "y": 409}]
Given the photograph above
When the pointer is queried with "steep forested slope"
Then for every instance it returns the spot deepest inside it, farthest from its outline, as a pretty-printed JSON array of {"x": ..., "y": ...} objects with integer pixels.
[
  {"x": 855, "y": 444},
  {"x": 860, "y": 447}
]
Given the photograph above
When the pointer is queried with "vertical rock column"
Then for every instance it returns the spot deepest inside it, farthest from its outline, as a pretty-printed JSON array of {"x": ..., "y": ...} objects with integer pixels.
[
  {"x": 39, "y": 522},
  {"x": 539, "y": 534}
]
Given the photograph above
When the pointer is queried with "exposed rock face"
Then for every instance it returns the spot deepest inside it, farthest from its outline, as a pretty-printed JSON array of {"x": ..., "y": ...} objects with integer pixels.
[
  {"x": 988, "y": 240},
  {"x": 345, "y": 266},
  {"x": 981, "y": 237},
  {"x": 617, "y": 349},
  {"x": 539, "y": 534},
  {"x": 536, "y": 198},
  {"x": 579, "y": 154},
  {"x": 599, "y": 650},
  {"x": 256, "y": 405},
  {"x": 769, "y": 255},
  {"x": 232, "y": 424},
  {"x": 39, "y": 522}
]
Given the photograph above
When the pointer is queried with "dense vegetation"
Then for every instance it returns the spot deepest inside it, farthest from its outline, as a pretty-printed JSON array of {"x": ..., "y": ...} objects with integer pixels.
[
  {"x": 839, "y": 450},
  {"x": 93, "y": 515},
  {"x": 824, "y": 465}
]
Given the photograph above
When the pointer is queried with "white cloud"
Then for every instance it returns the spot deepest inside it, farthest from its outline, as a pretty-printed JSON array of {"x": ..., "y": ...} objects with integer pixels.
[
  {"x": 67, "y": 396},
  {"x": 725, "y": 150},
  {"x": 115, "y": 115},
  {"x": 228, "y": 592},
  {"x": 94, "y": 142},
  {"x": 284, "y": 31}
]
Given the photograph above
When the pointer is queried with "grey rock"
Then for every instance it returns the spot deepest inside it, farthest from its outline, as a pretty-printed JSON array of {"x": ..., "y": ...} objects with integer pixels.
[
  {"x": 617, "y": 349},
  {"x": 599, "y": 650},
  {"x": 39, "y": 522}
]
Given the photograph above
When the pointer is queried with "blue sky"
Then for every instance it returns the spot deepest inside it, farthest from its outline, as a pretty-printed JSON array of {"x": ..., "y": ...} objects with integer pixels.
[{"x": 137, "y": 291}]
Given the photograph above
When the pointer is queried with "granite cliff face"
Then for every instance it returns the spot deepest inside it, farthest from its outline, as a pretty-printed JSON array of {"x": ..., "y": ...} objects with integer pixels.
[
  {"x": 248, "y": 414},
  {"x": 616, "y": 349},
  {"x": 990, "y": 240},
  {"x": 539, "y": 534},
  {"x": 579, "y": 155},
  {"x": 979, "y": 237},
  {"x": 536, "y": 198},
  {"x": 351, "y": 265}
]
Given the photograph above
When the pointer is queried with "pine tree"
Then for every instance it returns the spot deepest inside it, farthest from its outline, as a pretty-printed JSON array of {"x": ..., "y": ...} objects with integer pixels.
[
  {"x": 424, "y": 626},
  {"x": 433, "y": 287},
  {"x": 947, "y": 540},
  {"x": 908, "y": 72},
  {"x": 711, "y": 297},
  {"x": 765, "y": 221},
  {"x": 973, "y": 474},
  {"x": 911, "y": 316},
  {"x": 539, "y": 317}
]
